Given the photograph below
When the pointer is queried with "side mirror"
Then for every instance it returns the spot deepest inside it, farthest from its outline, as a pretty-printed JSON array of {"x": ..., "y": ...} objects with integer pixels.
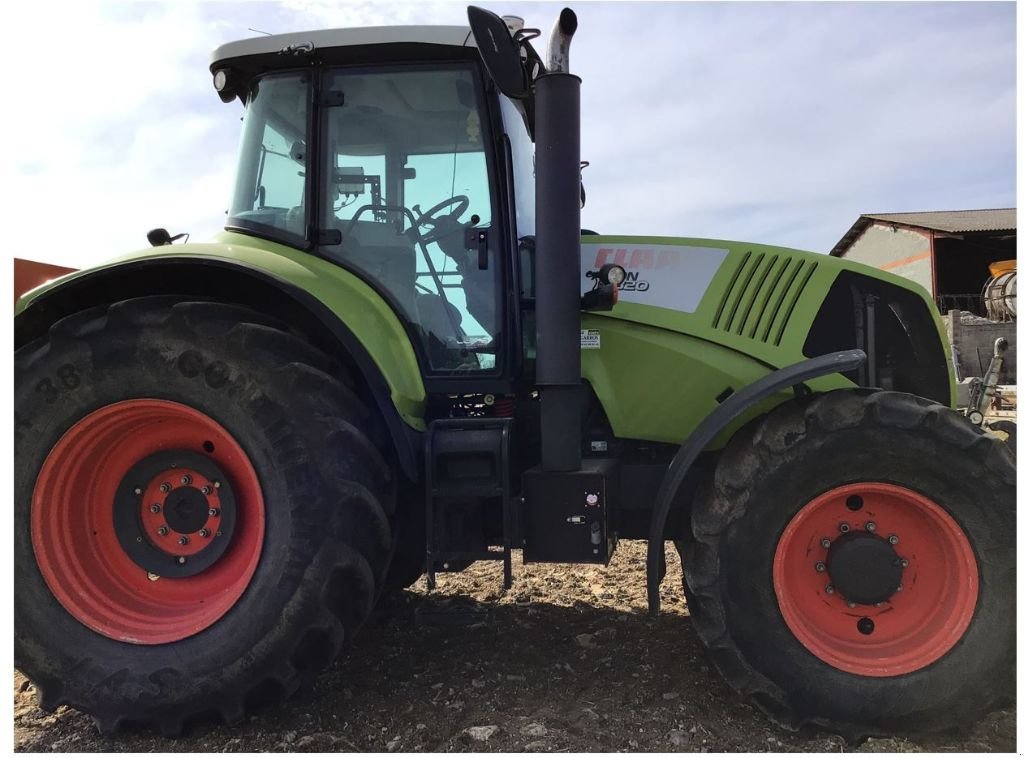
[
  {"x": 160, "y": 237},
  {"x": 499, "y": 52}
]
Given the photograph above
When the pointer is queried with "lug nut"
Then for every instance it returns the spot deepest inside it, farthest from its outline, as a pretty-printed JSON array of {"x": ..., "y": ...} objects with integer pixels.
[
  {"x": 204, "y": 532},
  {"x": 851, "y": 604},
  {"x": 181, "y": 559},
  {"x": 154, "y": 508},
  {"x": 138, "y": 539},
  {"x": 893, "y": 539},
  {"x": 899, "y": 588},
  {"x": 870, "y": 526},
  {"x": 829, "y": 589},
  {"x": 162, "y": 531},
  {"x": 826, "y": 543},
  {"x": 165, "y": 487},
  {"x": 216, "y": 485},
  {"x": 186, "y": 480},
  {"x": 152, "y": 577},
  {"x": 217, "y": 534},
  {"x": 904, "y": 562},
  {"x": 844, "y": 527},
  {"x": 214, "y": 511},
  {"x": 206, "y": 490},
  {"x": 138, "y": 490},
  {"x": 819, "y": 567},
  {"x": 183, "y": 540}
]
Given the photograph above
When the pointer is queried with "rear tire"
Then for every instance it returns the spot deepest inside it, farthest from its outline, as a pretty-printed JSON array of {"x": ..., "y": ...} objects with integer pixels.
[
  {"x": 934, "y": 652},
  {"x": 186, "y": 371}
]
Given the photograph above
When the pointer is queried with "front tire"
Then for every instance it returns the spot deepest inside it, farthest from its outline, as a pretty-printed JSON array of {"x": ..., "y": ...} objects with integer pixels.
[
  {"x": 854, "y": 566},
  {"x": 146, "y": 434}
]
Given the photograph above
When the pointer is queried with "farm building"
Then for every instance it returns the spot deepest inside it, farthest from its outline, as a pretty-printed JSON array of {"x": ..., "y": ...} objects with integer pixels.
[{"x": 947, "y": 252}]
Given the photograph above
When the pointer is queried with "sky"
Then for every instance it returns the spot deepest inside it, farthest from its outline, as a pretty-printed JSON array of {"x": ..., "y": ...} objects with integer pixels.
[{"x": 777, "y": 123}]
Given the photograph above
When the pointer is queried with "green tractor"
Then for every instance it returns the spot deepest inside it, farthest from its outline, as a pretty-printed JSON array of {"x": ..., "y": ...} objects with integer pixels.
[{"x": 402, "y": 356}]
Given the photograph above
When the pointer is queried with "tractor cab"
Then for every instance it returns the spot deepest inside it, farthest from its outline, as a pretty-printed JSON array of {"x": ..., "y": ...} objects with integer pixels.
[{"x": 382, "y": 151}]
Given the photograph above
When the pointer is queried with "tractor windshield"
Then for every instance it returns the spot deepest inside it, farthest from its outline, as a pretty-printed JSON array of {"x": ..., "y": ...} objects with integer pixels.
[
  {"x": 270, "y": 185},
  {"x": 405, "y": 180}
]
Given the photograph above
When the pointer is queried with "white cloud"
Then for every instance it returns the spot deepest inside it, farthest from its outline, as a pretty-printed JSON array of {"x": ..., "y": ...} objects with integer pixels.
[{"x": 773, "y": 122}]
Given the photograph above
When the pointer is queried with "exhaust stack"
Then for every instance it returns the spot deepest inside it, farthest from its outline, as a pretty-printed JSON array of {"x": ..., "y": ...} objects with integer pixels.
[
  {"x": 558, "y": 43},
  {"x": 557, "y": 142}
]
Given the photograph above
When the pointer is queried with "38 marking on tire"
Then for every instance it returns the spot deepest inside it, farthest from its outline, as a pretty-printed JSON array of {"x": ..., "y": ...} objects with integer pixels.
[
  {"x": 67, "y": 377},
  {"x": 217, "y": 374}
]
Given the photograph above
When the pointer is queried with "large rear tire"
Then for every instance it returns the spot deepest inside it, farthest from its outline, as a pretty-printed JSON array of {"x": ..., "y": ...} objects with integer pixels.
[
  {"x": 201, "y": 519},
  {"x": 853, "y": 565}
]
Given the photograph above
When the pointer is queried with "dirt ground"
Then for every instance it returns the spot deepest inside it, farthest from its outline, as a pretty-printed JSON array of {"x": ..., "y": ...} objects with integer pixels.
[{"x": 566, "y": 661}]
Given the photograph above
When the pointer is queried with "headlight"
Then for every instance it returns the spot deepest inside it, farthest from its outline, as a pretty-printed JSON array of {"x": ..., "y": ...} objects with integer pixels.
[{"x": 612, "y": 273}]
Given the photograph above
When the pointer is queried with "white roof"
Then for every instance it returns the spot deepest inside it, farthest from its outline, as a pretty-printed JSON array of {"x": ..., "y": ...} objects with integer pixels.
[{"x": 457, "y": 36}]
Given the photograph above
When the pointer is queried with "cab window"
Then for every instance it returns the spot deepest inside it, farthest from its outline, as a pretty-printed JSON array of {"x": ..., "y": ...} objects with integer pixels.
[{"x": 270, "y": 185}]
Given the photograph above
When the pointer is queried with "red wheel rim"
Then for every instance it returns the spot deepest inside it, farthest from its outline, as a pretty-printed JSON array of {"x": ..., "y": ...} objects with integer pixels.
[
  {"x": 915, "y": 626},
  {"x": 72, "y": 527}
]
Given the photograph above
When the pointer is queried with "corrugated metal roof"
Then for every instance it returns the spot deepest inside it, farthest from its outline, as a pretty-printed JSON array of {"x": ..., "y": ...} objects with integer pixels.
[
  {"x": 992, "y": 220},
  {"x": 951, "y": 222}
]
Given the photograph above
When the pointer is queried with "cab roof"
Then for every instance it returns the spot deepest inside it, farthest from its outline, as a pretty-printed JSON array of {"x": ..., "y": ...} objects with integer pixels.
[{"x": 326, "y": 39}]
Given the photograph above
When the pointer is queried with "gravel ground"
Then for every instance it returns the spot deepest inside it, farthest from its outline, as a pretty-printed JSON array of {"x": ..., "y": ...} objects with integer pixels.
[{"x": 565, "y": 661}]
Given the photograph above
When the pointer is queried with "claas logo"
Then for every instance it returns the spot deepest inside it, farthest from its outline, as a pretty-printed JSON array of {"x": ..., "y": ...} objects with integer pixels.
[{"x": 638, "y": 259}]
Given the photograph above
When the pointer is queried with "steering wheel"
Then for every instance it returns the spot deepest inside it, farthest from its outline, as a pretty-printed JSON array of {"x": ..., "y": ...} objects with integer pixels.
[{"x": 429, "y": 218}]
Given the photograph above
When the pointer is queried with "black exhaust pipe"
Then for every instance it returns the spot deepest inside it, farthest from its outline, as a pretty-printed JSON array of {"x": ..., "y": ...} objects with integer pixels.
[{"x": 557, "y": 142}]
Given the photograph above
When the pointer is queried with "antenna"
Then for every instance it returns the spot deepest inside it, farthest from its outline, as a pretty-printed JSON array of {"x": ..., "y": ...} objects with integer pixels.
[{"x": 258, "y": 31}]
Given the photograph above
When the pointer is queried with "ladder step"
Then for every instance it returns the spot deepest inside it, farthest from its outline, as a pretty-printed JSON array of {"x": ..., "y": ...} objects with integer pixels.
[{"x": 467, "y": 458}]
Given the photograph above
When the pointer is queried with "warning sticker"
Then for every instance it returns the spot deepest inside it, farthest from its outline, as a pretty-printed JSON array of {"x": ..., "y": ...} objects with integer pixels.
[{"x": 590, "y": 339}]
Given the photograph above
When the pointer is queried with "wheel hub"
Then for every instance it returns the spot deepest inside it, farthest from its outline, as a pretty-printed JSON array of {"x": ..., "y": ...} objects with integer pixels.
[
  {"x": 875, "y": 579},
  {"x": 174, "y": 513},
  {"x": 864, "y": 568},
  {"x": 186, "y": 510}
]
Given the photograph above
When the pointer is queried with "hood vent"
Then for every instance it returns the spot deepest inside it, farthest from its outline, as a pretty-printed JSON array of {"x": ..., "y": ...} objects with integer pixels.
[{"x": 761, "y": 296}]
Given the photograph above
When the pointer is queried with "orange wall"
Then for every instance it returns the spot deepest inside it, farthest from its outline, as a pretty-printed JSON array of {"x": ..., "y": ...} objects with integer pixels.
[{"x": 30, "y": 274}]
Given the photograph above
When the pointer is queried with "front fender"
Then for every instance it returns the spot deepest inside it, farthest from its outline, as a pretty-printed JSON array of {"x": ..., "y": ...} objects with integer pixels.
[{"x": 267, "y": 276}]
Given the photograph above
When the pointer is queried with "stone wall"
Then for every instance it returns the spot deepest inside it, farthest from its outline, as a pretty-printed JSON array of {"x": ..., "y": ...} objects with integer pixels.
[{"x": 973, "y": 337}]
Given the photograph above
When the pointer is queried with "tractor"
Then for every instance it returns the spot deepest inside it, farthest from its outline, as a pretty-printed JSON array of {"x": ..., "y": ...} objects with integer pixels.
[{"x": 403, "y": 355}]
